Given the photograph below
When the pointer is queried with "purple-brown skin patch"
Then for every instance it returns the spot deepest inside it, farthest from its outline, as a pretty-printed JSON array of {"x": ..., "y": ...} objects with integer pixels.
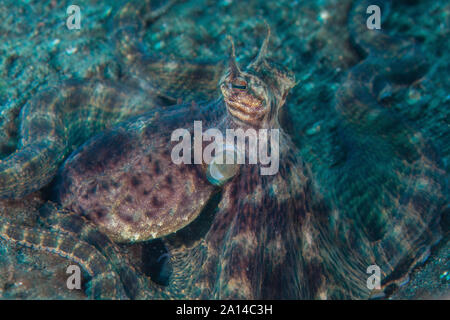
[{"x": 125, "y": 181}]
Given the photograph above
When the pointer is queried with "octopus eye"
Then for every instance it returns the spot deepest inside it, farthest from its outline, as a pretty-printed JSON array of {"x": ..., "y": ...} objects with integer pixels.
[{"x": 239, "y": 84}]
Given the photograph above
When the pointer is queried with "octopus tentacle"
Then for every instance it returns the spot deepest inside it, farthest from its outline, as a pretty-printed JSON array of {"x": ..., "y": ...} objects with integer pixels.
[
  {"x": 8, "y": 120},
  {"x": 175, "y": 79},
  {"x": 261, "y": 252},
  {"x": 260, "y": 244},
  {"x": 390, "y": 189},
  {"x": 72, "y": 224},
  {"x": 57, "y": 121},
  {"x": 104, "y": 283}
]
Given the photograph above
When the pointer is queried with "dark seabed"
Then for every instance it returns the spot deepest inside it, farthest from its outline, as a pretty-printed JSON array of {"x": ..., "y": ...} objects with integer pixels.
[{"x": 359, "y": 168}]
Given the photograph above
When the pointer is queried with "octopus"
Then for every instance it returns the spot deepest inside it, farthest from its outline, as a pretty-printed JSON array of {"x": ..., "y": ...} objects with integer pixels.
[{"x": 106, "y": 150}]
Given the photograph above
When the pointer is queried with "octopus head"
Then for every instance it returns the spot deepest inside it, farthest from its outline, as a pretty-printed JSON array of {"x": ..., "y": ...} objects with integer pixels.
[{"x": 254, "y": 96}]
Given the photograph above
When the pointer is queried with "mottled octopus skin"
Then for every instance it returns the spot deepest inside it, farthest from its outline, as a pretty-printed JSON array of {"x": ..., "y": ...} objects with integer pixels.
[
  {"x": 126, "y": 182},
  {"x": 274, "y": 236}
]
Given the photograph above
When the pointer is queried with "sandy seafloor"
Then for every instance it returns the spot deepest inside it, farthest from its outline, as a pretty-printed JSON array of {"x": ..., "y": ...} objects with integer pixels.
[{"x": 309, "y": 37}]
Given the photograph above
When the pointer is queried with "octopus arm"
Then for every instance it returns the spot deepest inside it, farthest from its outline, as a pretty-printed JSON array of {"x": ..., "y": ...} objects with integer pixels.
[{"x": 58, "y": 120}]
